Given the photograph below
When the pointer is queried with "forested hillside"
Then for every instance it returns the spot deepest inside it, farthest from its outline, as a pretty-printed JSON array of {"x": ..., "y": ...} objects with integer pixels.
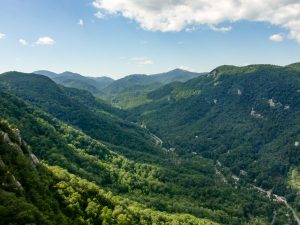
[
  {"x": 103, "y": 168},
  {"x": 244, "y": 118},
  {"x": 131, "y": 91},
  {"x": 35, "y": 193},
  {"x": 75, "y": 80},
  {"x": 126, "y": 92}
]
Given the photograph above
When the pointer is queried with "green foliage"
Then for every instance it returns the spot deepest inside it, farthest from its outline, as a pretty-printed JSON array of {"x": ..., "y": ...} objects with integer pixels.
[
  {"x": 247, "y": 118},
  {"x": 38, "y": 196},
  {"x": 74, "y": 80},
  {"x": 131, "y": 91},
  {"x": 104, "y": 169}
]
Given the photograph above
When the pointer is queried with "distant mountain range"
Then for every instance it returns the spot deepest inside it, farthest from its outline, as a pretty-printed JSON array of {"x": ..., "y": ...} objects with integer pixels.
[
  {"x": 75, "y": 80},
  {"x": 125, "y": 92}
]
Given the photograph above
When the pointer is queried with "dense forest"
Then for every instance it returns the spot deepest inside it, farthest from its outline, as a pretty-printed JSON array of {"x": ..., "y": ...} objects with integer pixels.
[{"x": 194, "y": 152}]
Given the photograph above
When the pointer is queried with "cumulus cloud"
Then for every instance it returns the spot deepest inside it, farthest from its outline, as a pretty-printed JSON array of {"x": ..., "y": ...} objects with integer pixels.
[
  {"x": 142, "y": 61},
  {"x": 220, "y": 29},
  {"x": 99, "y": 15},
  {"x": 2, "y": 35},
  {"x": 23, "y": 42},
  {"x": 277, "y": 37},
  {"x": 45, "y": 41},
  {"x": 80, "y": 22},
  {"x": 190, "y": 29},
  {"x": 177, "y": 15}
]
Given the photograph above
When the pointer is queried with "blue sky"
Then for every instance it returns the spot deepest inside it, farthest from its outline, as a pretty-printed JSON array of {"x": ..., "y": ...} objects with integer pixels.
[{"x": 47, "y": 34}]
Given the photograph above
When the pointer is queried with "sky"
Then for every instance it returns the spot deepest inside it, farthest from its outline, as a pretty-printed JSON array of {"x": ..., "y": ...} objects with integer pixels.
[{"x": 120, "y": 37}]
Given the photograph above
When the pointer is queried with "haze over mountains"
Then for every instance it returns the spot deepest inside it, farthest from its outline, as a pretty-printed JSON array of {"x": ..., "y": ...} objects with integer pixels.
[
  {"x": 187, "y": 148},
  {"x": 125, "y": 92}
]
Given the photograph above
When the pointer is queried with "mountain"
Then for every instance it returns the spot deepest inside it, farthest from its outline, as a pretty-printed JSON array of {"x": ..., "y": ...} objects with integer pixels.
[
  {"x": 47, "y": 73},
  {"x": 244, "y": 118},
  {"x": 295, "y": 66},
  {"x": 132, "y": 90},
  {"x": 35, "y": 193},
  {"x": 76, "y": 107},
  {"x": 175, "y": 75},
  {"x": 126, "y": 92},
  {"x": 101, "y": 168},
  {"x": 74, "y": 80}
]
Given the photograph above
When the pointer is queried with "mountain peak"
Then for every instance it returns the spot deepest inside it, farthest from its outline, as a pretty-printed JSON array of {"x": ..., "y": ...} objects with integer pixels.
[{"x": 179, "y": 70}]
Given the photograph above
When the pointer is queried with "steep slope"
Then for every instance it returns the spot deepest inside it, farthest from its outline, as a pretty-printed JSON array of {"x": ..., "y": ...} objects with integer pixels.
[
  {"x": 245, "y": 117},
  {"x": 164, "y": 182},
  {"x": 132, "y": 90},
  {"x": 34, "y": 193},
  {"x": 75, "y": 107},
  {"x": 25, "y": 185}
]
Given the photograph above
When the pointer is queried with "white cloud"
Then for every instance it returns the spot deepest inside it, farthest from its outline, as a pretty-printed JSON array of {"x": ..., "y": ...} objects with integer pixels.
[
  {"x": 80, "y": 22},
  {"x": 99, "y": 15},
  {"x": 2, "y": 35},
  {"x": 220, "y": 29},
  {"x": 177, "y": 15},
  {"x": 277, "y": 37},
  {"x": 23, "y": 42},
  {"x": 45, "y": 41},
  {"x": 142, "y": 60},
  {"x": 190, "y": 29}
]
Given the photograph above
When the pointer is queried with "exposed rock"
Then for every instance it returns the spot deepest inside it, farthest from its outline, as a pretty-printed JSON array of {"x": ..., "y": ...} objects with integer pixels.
[
  {"x": 2, "y": 164},
  {"x": 5, "y": 138},
  {"x": 255, "y": 114},
  {"x": 239, "y": 92},
  {"x": 213, "y": 73},
  {"x": 235, "y": 178},
  {"x": 243, "y": 173},
  {"x": 35, "y": 160},
  {"x": 297, "y": 144},
  {"x": 16, "y": 183},
  {"x": 18, "y": 136},
  {"x": 223, "y": 178},
  {"x": 286, "y": 107},
  {"x": 272, "y": 103},
  {"x": 215, "y": 101},
  {"x": 172, "y": 149}
]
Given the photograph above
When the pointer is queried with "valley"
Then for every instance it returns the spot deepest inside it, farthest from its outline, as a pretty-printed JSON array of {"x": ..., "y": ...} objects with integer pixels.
[
  {"x": 149, "y": 112},
  {"x": 179, "y": 158}
]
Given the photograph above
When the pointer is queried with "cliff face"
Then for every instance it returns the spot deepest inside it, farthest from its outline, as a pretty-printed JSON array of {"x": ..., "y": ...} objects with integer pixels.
[
  {"x": 25, "y": 195},
  {"x": 13, "y": 151}
]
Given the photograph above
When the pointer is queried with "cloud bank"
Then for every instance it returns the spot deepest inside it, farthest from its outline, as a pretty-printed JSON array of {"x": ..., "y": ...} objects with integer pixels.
[{"x": 177, "y": 15}]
